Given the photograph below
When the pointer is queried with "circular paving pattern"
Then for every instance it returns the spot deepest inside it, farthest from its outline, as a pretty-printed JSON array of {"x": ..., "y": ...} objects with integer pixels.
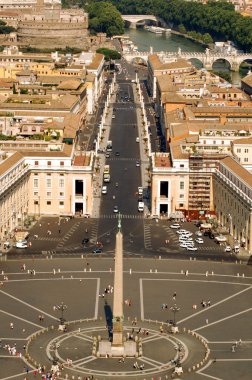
[{"x": 213, "y": 341}]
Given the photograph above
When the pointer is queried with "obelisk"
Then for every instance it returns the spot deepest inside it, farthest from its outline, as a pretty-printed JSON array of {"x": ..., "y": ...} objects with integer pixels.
[{"x": 117, "y": 341}]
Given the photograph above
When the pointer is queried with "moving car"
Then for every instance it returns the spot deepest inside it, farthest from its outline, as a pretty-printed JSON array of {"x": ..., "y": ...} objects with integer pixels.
[
  {"x": 175, "y": 226},
  {"x": 107, "y": 155},
  {"x": 113, "y": 116},
  {"x": 228, "y": 248},
  {"x": 184, "y": 245},
  {"x": 104, "y": 190},
  {"x": 137, "y": 139},
  {"x": 117, "y": 154},
  {"x": 137, "y": 163},
  {"x": 198, "y": 233},
  {"x": 115, "y": 209}
]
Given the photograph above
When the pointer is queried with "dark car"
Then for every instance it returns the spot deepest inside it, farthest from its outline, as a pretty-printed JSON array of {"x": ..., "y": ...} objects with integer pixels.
[
  {"x": 211, "y": 235},
  {"x": 117, "y": 153},
  {"x": 198, "y": 223},
  {"x": 97, "y": 250},
  {"x": 85, "y": 241}
]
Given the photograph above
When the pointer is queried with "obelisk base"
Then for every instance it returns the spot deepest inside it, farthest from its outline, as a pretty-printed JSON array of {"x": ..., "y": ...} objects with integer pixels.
[{"x": 107, "y": 349}]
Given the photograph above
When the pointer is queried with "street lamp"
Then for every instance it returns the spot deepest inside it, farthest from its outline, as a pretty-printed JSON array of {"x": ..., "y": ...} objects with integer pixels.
[
  {"x": 61, "y": 307},
  {"x": 175, "y": 309}
]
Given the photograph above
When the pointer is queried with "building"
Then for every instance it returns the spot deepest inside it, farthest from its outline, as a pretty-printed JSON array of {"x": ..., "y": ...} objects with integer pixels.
[
  {"x": 232, "y": 192},
  {"x": 48, "y": 25},
  {"x": 43, "y": 181}
]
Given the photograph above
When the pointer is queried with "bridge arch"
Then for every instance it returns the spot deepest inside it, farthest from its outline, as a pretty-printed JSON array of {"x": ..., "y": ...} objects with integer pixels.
[
  {"x": 138, "y": 60},
  {"x": 132, "y": 20},
  {"x": 245, "y": 65},
  {"x": 221, "y": 60},
  {"x": 196, "y": 62}
]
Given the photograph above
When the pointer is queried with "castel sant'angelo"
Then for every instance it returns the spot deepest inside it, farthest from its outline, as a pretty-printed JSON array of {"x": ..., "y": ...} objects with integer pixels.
[{"x": 46, "y": 24}]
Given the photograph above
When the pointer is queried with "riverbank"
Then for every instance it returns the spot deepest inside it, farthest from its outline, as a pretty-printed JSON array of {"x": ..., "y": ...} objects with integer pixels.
[{"x": 186, "y": 36}]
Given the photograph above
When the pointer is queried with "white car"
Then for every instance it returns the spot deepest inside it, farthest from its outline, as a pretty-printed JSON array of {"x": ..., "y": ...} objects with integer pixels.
[
  {"x": 184, "y": 245},
  {"x": 228, "y": 248},
  {"x": 186, "y": 240},
  {"x": 182, "y": 232},
  {"x": 198, "y": 233},
  {"x": 104, "y": 190},
  {"x": 199, "y": 241},
  {"x": 113, "y": 116},
  {"x": 21, "y": 244},
  {"x": 192, "y": 248},
  {"x": 116, "y": 209},
  {"x": 175, "y": 226}
]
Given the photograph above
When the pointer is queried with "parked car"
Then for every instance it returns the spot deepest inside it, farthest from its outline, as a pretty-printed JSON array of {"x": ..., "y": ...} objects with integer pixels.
[
  {"x": 137, "y": 163},
  {"x": 198, "y": 233},
  {"x": 116, "y": 209},
  {"x": 211, "y": 235},
  {"x": 85, "y": 241},
  {"x": 199, "y": 240},
  {"x": 198, "y": 223},
  {"x": 190, "y": 248},
  {"x": 184, "y": 245},
  {"x": 21, "y": 244},
  {"x": 104, "y": 189},
  {"x": 228, "y": 248},
  {"x": 175, "y": 226},
  {"x": 97, "y": 250},
  {"x": 113, "y": 116},
  {"x": 107, "y": 155}
]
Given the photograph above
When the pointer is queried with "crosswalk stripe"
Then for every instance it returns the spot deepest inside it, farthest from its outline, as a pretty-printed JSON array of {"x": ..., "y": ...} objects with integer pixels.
[{"x": 123, "y": 216}]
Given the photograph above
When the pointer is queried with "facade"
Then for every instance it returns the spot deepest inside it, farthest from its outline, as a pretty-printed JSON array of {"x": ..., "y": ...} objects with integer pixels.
[
  {"x": 36, "y": 183},
  {"x": 232, "y": 191}
]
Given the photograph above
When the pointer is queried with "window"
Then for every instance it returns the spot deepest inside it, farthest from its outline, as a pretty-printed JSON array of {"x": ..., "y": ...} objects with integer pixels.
[
  {"x": 61, "y": 203},
  {"x": 181, "y": 165},
  {"x": 238, "y": 150},
  {"x": 246, "y": 159},
  {"x": 35, "y": 182},
  {"x": 36, "y": 163},
  {"x": 48, "y": 203},
  {"x": 36, "y": 202},
  {"x": 61, "y": 182},
  {"x": 35, "y": 193},
  {"x": 246, "y": 150},
  {"x": 61, "y": 194},
  {"x": 48, "y": 182},
  {"x": 182, "y": 185},
  {"x": 181, "y": 205},
  {"x": 48, "y": 194},
  {"x": 61, "y": 163},
  {"x": 181, "y": 195},
  {"x": 49, "y": 163}
]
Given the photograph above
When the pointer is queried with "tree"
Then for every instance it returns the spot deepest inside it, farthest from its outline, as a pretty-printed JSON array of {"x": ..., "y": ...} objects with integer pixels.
[
  {"x": 109, "y": 53},
  {"x": 182, "y": 29},
  {"x": 5, "y": 29},
  {"x": 207, "y": 39},
  {"x": 104, "y": 17}
]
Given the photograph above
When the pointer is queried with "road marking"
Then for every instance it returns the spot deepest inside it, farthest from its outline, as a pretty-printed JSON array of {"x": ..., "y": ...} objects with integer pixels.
[
  {"x": 223, "y": 319},
  {"x": 21, "y": 319},
  {"x": 27, "y": 304},
  {"x": 214, "y": 305}
]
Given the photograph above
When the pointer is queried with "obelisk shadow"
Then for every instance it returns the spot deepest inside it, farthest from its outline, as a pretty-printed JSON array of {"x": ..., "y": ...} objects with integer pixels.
[{"x": 109, "y": 319}]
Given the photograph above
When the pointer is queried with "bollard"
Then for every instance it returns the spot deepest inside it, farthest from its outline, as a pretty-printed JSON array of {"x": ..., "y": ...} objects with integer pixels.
[
  {"x": 130, "y": 271},
  {"x": 238, "y": 275},
  {"x": 150, "y": 270}
]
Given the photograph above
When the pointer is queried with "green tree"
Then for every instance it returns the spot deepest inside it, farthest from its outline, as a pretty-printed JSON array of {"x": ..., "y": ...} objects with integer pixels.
[
  {"x": 104, "y": 17},
  {"x": 181, "y": 29},
  {"x": 5, "y": 29},
  {"x": 109, "y": 53},
  {"x": 207, "y": 39}
]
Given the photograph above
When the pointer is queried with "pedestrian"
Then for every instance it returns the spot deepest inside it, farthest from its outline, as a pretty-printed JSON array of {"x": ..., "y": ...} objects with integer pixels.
[
  {"x": 174, "y": 296},
  {"x": 11, "y": 325},
  {"x": 207, "y": 321}
]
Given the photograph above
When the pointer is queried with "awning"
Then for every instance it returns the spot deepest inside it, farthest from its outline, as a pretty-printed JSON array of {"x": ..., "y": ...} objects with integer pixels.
[{"x": 221, "y": 238}]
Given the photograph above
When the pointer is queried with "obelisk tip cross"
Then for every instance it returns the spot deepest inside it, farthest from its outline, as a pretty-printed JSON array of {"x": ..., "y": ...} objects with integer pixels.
[{"x": 119, "y": 226}]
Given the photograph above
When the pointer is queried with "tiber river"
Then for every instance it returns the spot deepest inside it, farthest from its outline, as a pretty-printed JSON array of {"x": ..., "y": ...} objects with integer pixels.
[{"x": 171, "y": 42}]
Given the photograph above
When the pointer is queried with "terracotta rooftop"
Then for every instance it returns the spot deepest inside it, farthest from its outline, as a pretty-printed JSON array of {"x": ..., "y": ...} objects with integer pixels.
[
  {"x": 9, "y": 162},
  {"x": 224, "y": 89},
  {"x": 222, "y": 110},
  {"x": 247, "y": 80},
  {"x": 245, "y": 141},
  {"x": 157, "y": 64},
  {"x": 96, "y": 61},
  {"x": 238, "y": 170},
  {"x": 83, "y": 160},
  {"x": 71, "y": 84},
  {"x": 162, "y": 160}
]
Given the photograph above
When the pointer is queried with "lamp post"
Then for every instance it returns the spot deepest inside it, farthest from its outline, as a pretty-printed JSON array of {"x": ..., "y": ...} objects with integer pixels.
[
  {"x": 61, "y": 307},
  {"x": 175, "y": 309}
]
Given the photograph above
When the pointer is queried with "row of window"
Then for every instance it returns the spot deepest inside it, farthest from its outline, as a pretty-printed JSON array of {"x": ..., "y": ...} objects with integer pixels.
[
  {"x": 48, "y": 182},
  {"x": 49, "y": 163},
  {"x": 239, "y": 150},
  {"x": 49, "y": 203}
]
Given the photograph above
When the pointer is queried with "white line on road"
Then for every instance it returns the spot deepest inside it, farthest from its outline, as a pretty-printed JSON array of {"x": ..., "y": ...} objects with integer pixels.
[
  {"x": 223, "y": 319},
  {"x": 27, "y": 304},
  {"x": 21, "y": 319},
  {"x": 141, "y": 299},
  {"x": 214, "y": 305}
]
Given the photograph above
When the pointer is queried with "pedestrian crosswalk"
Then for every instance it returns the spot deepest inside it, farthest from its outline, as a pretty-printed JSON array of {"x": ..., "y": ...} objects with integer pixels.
[
  {"x": 122, "y": 159},
  {"x": 123, "y": 216},
  {"x": 147, "y": 236},
  {"x": 67, "y": 236}
]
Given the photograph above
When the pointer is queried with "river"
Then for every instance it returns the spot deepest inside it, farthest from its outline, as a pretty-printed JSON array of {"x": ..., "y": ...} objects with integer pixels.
[{"x": 171, "y": 42}]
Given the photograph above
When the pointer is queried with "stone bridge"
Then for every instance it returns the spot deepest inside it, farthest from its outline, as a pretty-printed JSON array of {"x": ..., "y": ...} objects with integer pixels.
[
  {"x": 134, "y": 19},
  {"x": 207, "y": 58}
]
